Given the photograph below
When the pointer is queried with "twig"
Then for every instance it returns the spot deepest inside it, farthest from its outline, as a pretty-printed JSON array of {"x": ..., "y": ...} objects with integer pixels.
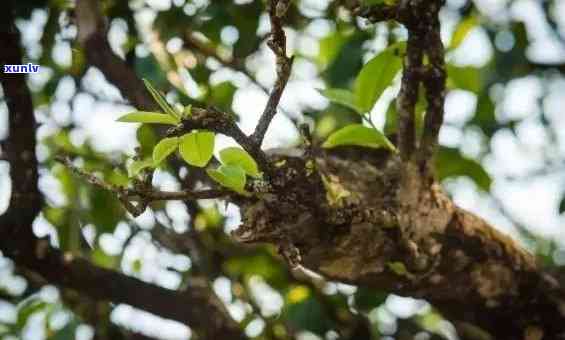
[
  {"x": 277, "y": 43},
  {"x": 142, "y": 196}
]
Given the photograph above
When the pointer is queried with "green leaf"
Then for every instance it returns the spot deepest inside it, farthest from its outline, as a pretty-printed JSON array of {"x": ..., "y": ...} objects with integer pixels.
[
  {"x": 27, "y": 309},
  {"x": 451, "y": 163},
  {"x": 187, "y": 111},
  {"x": 377, "y": 75},
  {"x": 343, "y": 97},
  {"x": 161, "y": 101},
  {"x": 196, "y": 148},
  {"x": 229, "y": 176},
  {"x": 462, "y": 30},
  {"x": 464, "y": 77},
  {"x": 164, "y": 148},
  {"x": 136, "y": 166},
  {"x": 357, "y": 134},
  {"x": 238, "y": 156},
  {"x": 148, "y": 118},
  {"x": 309, "y": 315}
]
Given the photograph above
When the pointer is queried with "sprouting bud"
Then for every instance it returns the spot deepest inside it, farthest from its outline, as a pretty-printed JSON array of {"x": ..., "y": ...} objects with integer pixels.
[{"x": 282, "y": 7}]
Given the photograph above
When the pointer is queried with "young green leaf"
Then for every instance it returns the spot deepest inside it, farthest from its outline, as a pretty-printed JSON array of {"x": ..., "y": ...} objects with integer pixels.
[
  {"x": 343, "y": 97},
  {"x": 148, "y": 118},
  {"x": 196, "y": 148},
  {"x": 377, "y": 75},
  {"x": 187, "y": 112},
  {"x": 462, "y": 30},
  {"x": 230, "y": 176},
  {"x": 161, "y": 101},
  {"x": 136, "y": 166},
  {"x": 164, "y": 148},
  {"x": 238, "y": 156},
  {"x": 357, "y": 134}
]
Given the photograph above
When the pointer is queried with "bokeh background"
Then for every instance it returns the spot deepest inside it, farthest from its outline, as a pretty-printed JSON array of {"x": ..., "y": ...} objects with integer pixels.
[{"x": 502, "y": 156}]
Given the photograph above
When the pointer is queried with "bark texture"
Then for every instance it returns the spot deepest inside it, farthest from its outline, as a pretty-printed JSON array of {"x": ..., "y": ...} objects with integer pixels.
[{"x": 372, "y": 219}]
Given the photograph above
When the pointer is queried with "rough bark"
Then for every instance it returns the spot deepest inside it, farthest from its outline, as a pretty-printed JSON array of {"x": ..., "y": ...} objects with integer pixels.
[{"x": 392, "y": 212}]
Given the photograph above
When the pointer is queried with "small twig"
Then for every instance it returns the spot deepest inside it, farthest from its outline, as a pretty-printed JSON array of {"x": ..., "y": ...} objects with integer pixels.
[
  {"x": 184, "y": 195},
  {"x": 142, "y": 197},
  {"x": 277, "y": 43}
]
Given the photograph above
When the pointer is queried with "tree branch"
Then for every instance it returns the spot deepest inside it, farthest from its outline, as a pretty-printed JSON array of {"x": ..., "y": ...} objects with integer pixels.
[
  {"x": 195, "y": 307},
  {"x": 408, "y": 95},
  {"x": 435, "y": 84},
  {"x": 141, "y": 194},
  {"x": 92, "y": 30},
  {"x": 277, "y": 43}
]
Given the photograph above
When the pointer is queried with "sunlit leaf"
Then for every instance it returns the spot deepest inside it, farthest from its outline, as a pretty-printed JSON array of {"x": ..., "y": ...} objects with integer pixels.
[
  {"x": 161, "y": 101},
  {"x": 196, "y": 148},
  {"x": 148, "y": 118},
  {"x": 238, "y": 156},
  {"x": 462, "y": 30},
  {"x": 343, "y": 97},
  {"x": 377, "y": 75},
  {"x": 357, "y": 134},
  {"x": 187, "y": 112},
  {"x": 164, "y": 148},
  {"x": 229, "y": 176}
]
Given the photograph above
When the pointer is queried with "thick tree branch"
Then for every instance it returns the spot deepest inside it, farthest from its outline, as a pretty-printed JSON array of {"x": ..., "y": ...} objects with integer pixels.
[{"x": 195, "y": 307}]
